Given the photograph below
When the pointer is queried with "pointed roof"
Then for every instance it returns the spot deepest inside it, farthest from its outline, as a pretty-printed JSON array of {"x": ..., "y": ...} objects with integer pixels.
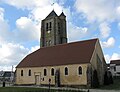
[
  {"x": 63, "y": 54},
  {"x": 62, "y": 14},
  {"x": 117, "y": 62},
  {"x": 52, "y": 14}
]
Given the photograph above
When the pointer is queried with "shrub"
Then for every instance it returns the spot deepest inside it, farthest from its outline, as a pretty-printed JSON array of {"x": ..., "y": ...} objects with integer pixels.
[{"x": 110, "y": 78}]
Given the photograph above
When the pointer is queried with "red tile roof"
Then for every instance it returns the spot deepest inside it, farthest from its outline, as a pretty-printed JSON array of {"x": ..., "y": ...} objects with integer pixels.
[
  {"x": 70, "y": 53},
  {"x": 117, "y": 62}
]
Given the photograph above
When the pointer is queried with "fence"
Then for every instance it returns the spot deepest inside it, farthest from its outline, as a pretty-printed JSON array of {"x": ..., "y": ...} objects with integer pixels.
[{"x": 7, "y": 84}]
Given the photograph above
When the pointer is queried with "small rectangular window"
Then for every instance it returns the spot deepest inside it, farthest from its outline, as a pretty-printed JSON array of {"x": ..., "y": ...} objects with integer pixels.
[
  {"x": 29, "y": 73},
  {"x": 61, "y": 40},
  {"x": 21, "y": 72},
  {"x": 50, "y": 25},
  {"x": 46, "y": 26},
  {"x": 58, "y": 28},
  {"x": 58, "y": 25}
]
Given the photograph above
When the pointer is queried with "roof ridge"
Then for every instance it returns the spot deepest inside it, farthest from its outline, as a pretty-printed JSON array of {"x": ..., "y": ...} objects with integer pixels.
[{"x": 69, "y": 43}]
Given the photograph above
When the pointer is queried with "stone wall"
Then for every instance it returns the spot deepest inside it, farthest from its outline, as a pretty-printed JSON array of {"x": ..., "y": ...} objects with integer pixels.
[{"x": 73, "y": 78}]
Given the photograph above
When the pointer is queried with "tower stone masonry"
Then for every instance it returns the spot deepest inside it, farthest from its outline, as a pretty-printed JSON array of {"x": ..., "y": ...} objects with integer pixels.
[{"x": 53, "y": 30}]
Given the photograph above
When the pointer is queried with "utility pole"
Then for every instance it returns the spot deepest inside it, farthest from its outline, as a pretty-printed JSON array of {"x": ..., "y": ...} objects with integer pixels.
[{"x": 12, "y": 75}]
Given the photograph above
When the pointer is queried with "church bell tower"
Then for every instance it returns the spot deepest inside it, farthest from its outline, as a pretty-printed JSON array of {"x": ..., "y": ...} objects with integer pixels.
[{"x": 53, "y": 30}]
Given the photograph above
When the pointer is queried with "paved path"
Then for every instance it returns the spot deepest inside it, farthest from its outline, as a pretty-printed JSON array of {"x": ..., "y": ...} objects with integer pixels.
[
  {"x": 98, "y": 90},
  {"x": 86, "y": 90}
]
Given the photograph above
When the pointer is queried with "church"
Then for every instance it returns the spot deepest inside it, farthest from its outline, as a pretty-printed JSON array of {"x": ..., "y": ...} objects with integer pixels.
[{"x": 59, "y": 63}]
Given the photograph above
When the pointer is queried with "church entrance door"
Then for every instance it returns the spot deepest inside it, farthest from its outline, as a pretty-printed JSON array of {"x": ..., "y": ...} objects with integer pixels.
[{"x": 37, "y": 79}]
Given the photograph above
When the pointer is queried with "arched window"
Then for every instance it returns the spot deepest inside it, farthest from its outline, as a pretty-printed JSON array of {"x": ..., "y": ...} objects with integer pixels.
[
  {"x": 79, "y": 70},
  {"x": 21, "y": 72},
  {"x": 66, "y": 71},
  {"x": 45, "y": 72},
  {"x": 29, "y": 73},
  {"x": 52, "y": 71}
]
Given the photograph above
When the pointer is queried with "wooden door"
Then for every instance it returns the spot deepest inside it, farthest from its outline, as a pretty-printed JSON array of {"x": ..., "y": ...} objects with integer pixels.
[{"x": 37, "y": 79}]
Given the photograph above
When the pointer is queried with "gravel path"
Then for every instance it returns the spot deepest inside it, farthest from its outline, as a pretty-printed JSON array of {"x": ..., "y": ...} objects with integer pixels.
[{"x": 97, "y": 90}]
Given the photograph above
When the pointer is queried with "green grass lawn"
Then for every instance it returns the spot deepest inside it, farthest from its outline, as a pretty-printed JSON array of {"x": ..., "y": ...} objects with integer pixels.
[
  {"x": 114, "y": 86},
  {"x": 20, "y": 89},
  {"x": 26, "y": 89}
]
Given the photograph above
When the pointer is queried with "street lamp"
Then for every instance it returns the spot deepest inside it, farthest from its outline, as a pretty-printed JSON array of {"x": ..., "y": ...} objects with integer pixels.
[{"x": 49, "y": 84}]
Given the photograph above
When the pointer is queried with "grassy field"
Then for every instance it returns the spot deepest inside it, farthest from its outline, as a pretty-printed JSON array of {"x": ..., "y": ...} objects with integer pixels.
[
  {"x": 25, "y": 89},
  {"x": 114, "y": 86}
]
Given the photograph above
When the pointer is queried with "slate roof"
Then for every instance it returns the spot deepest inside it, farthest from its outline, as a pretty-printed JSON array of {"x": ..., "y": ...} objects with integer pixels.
[
  {"x": 117, "y": 62},
  {"x": 63, "y": 54},
  {"x": 62, "y": 14},
  {"x": 52, "y": 14}
]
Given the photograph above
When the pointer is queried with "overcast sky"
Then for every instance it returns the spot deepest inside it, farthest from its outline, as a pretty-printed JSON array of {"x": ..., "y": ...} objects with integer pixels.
[{"x": 20, "y": 22}]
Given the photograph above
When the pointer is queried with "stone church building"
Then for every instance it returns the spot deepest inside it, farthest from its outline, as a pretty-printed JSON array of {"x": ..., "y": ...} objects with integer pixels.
[{"x": 58, "y": 62}]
